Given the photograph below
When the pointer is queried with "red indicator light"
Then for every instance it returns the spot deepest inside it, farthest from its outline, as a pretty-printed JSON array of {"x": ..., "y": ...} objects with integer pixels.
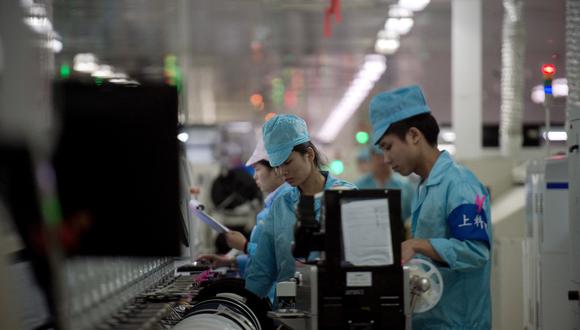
[
  {"x": 256, "y": 100},
  {"x": 548, "y": 69}
]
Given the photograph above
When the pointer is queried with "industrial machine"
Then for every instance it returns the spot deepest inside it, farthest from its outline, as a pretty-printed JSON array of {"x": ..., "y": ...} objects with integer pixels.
[
  {"x": 550, "y": 290},
  {"x": 350, "y": 276},
  {"x": 358, "y": 282}
]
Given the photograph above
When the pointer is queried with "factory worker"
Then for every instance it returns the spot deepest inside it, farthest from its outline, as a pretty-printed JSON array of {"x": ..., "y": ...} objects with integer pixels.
[
  {"x": 272, "y": 186},
  {"x": 451, "y": 221},
  {"x": 381, "y": 175},
  {"x": 363, "y": 159},
  {"x": 298, "y": 162}
]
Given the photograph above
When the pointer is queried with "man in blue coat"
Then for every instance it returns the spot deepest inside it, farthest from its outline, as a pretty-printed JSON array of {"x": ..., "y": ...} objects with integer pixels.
[
  {"x": 451, "y": 221},
  {"x": 382, "y": 176}
]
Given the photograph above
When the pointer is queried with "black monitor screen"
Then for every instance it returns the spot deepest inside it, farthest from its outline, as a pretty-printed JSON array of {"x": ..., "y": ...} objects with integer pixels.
[
  {"x": 363, "y": 228},
  {"x": 116, "y": 162}
]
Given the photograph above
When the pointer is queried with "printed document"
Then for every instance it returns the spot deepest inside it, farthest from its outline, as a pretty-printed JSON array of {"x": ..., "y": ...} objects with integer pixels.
[{"x": 366, "y": 232}]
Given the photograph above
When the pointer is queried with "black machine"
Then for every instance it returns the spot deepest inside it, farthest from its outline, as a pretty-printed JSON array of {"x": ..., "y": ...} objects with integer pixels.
[
  {"x": 307, "y": 231},
  {"x": 334, "y": 293},
  {"x": 117, "y": 170}
]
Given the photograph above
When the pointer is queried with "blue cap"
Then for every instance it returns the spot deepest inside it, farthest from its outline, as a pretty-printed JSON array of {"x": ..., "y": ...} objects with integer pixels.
[
  {"x": 363, "y": 154},
  {"x": 375, "y": 150},
  {"x": 281, "y": 134},
  {"x": 390, "y": 107}
]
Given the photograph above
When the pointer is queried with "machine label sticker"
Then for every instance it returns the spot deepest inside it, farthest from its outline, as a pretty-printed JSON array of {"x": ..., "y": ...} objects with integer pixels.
[{"x": 359, "y": 279}]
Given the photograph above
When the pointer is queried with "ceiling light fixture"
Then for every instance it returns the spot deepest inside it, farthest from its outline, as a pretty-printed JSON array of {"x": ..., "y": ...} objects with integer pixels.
[
  {"x": 414, "y": 5},
  {"x": 364, "y": 81},
  {"x": 55, "y": 45},
  {"x": 108, "y": 72},
  {"x": 387, "y": 46},
  {"x": 400, "y": 25},
  {"x": 85, "y": 62},
  {"x": 555, "y": 135}
]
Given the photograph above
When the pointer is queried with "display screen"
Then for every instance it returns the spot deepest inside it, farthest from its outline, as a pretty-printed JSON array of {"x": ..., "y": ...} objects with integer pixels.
[{"x": 116, "y": 163}]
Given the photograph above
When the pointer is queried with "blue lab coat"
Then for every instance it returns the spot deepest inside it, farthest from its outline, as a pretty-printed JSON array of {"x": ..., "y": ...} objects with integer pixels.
[
  {"x": 396, "y": 181},
  {"x": 273, "y": 261},
  {"x": 242, "y": 261},
  {"x": 451, "y": 210}
]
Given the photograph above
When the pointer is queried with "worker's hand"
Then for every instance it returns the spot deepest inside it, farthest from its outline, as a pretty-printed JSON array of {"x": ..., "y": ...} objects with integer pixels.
[
  {"x": 236, "y": 240},
  {"x": 218, "y": 260},
  {"x": 407, "y": 250},
  {"x": 407, "y": 229},
  {"x": 413, "y": 246}
]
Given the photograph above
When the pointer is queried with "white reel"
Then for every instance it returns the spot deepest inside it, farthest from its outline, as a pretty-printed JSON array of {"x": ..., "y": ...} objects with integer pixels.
[{"x": 425, "y": 284}]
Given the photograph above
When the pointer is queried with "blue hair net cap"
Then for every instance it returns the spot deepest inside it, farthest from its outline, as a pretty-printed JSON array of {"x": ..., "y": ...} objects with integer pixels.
[
  {"x": 390, "y": 107},
  {"x": 375, "y": 150},
  {"x": 363, "y": 154},
  {"x": 281, "y": 134}
]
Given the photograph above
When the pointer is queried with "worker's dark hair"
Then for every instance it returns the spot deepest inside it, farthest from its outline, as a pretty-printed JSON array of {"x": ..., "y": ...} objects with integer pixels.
[
  {"x": 302, "y": 148},
  {"x": 265, "y": 163},
  {"x": 424, "y": 122}
]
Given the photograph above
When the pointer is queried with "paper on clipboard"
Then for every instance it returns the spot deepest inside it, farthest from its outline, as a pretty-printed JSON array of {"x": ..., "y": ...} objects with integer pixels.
[
  {"x": 366, "y": 231},
  {"x": 201, "y": 215}
]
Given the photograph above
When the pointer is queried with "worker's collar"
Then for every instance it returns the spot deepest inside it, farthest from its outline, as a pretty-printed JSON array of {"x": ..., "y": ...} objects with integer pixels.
[
  {"x": 326, "y": 184},
  {"x": 438, "y": 171},
  {"x": 268, "y": 200}
]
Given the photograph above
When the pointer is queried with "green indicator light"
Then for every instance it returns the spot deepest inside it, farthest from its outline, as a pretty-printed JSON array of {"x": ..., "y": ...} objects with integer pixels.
[
  {"x": 170, "y": 59},
  {"x": 362, "y": 137},
  {"x": 336, "y": 167},
  {"x": 51, "y": 211},
  {"x": 98, "y": 81},
  {"x": 278, "y": 90},
  {"x": 64, "y": 71},
  {"x": 171, "y": 71},
  {"x": 178, "y": 79}
]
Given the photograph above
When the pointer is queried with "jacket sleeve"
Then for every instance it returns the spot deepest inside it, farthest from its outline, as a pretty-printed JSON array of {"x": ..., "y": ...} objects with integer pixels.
[
  {"x": 241, "y": 263},
  {"x": 261, "y": 218},
  {"x": 468, "y": 219},
  {"x": 261, "y": 274},
  {"x": 252, "y": 249},
  {"x": 461, "y": 255},
  {"x": 284, "y": 238}
]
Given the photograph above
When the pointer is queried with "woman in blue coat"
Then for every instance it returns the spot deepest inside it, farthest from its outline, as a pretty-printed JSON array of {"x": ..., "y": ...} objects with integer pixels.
[
  {"x": 298, "y": 162},
  {"x": 271, "y": 186},
  {"x": 451, "y": 221}
]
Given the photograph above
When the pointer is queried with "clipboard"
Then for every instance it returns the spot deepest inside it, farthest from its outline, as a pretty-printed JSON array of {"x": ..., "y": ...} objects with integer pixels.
[{"x": 197, "y": 209}]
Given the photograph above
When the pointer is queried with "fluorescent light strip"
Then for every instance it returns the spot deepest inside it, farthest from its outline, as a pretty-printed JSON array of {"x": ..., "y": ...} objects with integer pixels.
[
  {"x": 556, "y": 135},
  {"x": 387, "y": 46},
  {"x": 371, "y": 71},
  {"x": 401, "y": 25},
  {"x": 414, "y": 5}
]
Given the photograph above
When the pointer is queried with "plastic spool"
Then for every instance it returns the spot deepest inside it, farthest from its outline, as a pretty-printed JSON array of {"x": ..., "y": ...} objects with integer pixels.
[
  {"x": 233, "y": 289},
  {"x": 423, "y": 269},
  {"x": 222, "y": 312},
  {"x": 207, "y": 322}
]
